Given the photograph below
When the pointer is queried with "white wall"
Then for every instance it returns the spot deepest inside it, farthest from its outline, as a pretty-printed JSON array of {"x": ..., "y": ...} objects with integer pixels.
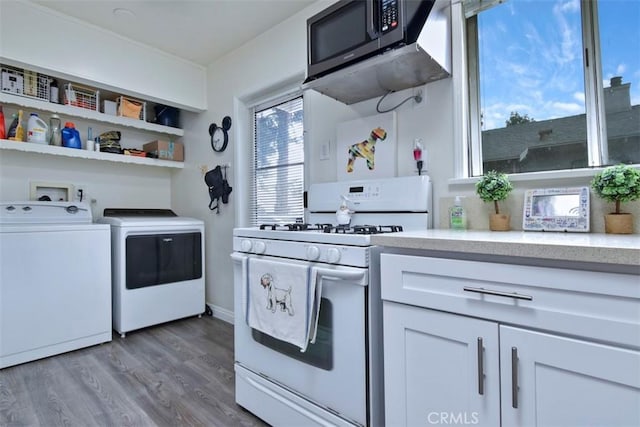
[
  {"x": 276, "y": 59},
  {"x": 43, "y": 40},
  {"x": 58, "y": 43}
]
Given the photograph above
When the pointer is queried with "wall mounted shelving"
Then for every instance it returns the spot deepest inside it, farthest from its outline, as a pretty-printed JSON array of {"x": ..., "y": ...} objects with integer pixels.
[
  {"x": 29, "y": 147},
  {"x": 83, "y": 113}
]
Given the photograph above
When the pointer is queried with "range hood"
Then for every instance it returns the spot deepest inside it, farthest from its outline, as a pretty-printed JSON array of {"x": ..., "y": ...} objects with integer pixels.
[{"x": 426, "y": 60}]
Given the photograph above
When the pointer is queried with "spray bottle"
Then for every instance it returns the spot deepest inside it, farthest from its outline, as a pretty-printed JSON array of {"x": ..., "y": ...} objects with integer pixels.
[{"x": 417, "y": 154}]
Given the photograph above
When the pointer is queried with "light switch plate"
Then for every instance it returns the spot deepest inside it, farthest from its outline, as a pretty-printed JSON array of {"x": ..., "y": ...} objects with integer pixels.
[{"x": 325, "y": 151}]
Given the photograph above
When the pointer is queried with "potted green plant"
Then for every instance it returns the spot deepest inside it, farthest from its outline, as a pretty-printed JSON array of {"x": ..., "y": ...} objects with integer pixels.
[
  {"x": 493, "y": 187},
  {"x": 619, "y": 184}
]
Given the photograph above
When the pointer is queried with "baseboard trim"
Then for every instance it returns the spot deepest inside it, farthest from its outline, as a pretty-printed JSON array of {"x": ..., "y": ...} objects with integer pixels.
[{"x": 221, "y": 313}]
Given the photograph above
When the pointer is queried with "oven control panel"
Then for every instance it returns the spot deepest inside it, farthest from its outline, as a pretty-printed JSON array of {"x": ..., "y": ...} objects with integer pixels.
[
  {"x": 399, "y": 194},
  {"x": 304, "y": 251}
]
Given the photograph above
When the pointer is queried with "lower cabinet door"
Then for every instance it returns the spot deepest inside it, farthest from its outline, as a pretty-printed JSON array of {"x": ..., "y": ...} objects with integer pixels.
[
  {"x": 547, "y": 380},
  {"x": 439, "y": 368}
]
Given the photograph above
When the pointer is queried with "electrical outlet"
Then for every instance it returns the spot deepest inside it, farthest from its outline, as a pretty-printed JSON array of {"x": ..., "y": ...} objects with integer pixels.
[{"x": 417, "y": 95}]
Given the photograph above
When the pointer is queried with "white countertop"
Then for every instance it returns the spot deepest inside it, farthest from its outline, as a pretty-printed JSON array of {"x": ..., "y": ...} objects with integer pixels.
[{"x": 584, "y": 247}]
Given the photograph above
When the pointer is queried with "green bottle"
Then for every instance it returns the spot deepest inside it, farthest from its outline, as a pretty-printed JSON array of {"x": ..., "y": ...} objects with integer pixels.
[{"x": 457, "y": 216}]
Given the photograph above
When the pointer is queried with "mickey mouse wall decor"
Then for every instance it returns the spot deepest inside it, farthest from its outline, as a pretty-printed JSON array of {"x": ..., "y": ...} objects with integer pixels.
[{"x": 219, "y": 135}]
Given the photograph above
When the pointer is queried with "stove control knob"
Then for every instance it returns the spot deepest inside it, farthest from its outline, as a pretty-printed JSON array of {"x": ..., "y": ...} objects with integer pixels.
[
  {"x": 333, "y": 255},
  {"x": 313, "y": 253},
  {"x": 259, "y": 247},
  {"x": 246, "y": 245}
]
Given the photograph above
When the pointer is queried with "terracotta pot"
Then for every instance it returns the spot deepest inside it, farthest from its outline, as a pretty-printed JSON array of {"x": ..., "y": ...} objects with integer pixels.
[
  {"x": 621, "y": 223},
  {"x": 500, "y": 222}
]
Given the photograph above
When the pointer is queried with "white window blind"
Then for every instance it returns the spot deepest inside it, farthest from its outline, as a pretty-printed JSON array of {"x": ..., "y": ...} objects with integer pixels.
[{"x": 278, "y": 183}]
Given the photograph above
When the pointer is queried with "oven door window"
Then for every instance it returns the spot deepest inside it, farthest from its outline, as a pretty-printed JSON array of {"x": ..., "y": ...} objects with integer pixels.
[
  {"x": 163, "y": 258},
  {"x": 318, "y": 354}
]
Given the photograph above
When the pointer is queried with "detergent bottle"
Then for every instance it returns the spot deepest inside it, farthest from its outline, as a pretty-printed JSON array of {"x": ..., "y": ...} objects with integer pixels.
[
  {"x": 11, "y": 133},
  {"x": 3, "y": 132},
  {"x": 71, "y": 136},
  {"x": 19, "y": 128},
  {"x": 37, "y": 130}
]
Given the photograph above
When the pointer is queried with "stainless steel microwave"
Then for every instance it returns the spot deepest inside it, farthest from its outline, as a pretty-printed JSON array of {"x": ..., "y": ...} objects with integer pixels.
[{"x": 352, "y": 30}]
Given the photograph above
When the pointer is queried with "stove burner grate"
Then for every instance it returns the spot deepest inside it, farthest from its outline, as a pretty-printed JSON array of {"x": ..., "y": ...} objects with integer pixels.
[{"x": 336, "y": 229}]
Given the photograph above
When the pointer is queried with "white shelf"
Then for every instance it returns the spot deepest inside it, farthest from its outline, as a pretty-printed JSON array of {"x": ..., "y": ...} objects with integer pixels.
[
  {"x": 30, "y": 147},
  {"x": 83, "y": 113}
]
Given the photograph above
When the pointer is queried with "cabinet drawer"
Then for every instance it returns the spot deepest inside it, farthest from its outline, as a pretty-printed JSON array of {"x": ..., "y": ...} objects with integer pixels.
[{"x": 596, "y": 305}]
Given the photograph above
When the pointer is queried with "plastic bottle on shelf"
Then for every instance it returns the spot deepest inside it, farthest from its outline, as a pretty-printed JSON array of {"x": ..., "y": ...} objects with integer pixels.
[
  {"x": 37, "y": 130},
  {"x": 3, "y": 131},
  {"x": 53, "y": 91},
  {"x": 20, "y": 127},
  {"x": 71, "y": 136},
  {"x": 56, "y": 131},
  {"x": 457, "y": 216},
  {"x": 11, "y": 133}
]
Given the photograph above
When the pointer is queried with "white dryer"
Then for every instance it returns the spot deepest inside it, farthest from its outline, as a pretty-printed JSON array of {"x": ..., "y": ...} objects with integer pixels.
[
  {"x": 157, "y": 267},
  {"x": 55, "y": 280}
]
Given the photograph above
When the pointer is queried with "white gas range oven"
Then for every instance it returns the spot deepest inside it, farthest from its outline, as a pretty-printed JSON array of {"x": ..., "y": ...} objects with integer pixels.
[{"x": 337, "y": 379}]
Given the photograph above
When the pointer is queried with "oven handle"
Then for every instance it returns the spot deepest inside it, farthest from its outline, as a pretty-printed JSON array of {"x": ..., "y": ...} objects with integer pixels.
[
  {"x": 238, "y": 257},
  {"x": 342, "y": 274}
]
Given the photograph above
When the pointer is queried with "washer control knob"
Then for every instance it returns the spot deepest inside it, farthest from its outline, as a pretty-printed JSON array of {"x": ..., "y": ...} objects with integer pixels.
[
  {"x": 246, "y": 245},
  {"x": 259, "y": 247},
  {"x": 333, "y": 255},
  {"x": 11, "y": 208},
  {"x": 313, "y": 253}
]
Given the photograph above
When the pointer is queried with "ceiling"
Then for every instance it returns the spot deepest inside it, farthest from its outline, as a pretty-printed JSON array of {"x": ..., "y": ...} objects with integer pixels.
[{"x": 200, "y": 31}]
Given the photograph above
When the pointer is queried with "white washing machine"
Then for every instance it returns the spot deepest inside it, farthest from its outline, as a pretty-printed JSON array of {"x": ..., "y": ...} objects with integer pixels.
[
  {"x": 55, "y": 280},
  {"x": 157, "y": 267}
]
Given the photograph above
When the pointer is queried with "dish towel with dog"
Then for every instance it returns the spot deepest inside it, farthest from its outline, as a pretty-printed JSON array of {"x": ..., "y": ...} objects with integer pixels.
[{"x": 282, "y": 300}]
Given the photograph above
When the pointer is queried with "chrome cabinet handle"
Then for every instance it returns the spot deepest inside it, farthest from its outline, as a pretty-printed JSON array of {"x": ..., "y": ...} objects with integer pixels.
[
  {"x": 480, "y": 367},
  {"x": 498, "y": 293},
  {"x": 514, "y": 377}
]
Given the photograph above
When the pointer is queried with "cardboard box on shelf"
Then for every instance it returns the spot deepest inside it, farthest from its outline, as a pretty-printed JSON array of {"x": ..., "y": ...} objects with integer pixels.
[{"x": 166, "y": 150}]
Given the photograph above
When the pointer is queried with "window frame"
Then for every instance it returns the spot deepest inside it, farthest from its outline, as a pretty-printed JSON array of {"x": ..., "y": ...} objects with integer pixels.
[
  {"x": 471, "y": 162},
  {"x": 253, "y": 110}
]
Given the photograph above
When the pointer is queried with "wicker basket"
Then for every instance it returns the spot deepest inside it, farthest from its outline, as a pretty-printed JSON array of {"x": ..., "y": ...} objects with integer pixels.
[
  {"x": 26, "y": 83},
  {"x": 81, "y": 96},
  {"x": 132, "y": 108}
]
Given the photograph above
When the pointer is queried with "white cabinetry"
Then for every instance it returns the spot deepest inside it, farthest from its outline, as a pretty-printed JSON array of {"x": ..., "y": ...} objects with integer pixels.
[
  {"x": 489, "y": 344},
  {"x": 549, "y": 380},
  {"x": 439, "y": 365}
]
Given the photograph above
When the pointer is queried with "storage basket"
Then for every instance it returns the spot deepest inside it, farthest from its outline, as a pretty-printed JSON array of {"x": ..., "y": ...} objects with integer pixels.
[
  {"x": 132, "y": 108},
  {"x": 81, "y": 96},
  {"x": 26, "y": 83}
]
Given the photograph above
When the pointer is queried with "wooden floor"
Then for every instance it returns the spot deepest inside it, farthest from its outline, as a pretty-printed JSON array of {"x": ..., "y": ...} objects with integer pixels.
[{"x": 176, "y": 374}]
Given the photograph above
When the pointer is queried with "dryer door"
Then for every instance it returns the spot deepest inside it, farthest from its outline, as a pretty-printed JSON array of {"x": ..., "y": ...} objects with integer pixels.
[{"x": 156, "y": 259}]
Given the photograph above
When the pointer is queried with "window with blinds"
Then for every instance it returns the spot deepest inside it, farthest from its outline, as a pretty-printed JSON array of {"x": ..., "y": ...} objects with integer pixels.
[{"x": 278, "y": 183}]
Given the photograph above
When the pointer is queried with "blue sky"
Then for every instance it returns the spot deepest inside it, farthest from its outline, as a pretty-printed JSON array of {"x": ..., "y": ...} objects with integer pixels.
[{"x": 532, "y": 62}]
